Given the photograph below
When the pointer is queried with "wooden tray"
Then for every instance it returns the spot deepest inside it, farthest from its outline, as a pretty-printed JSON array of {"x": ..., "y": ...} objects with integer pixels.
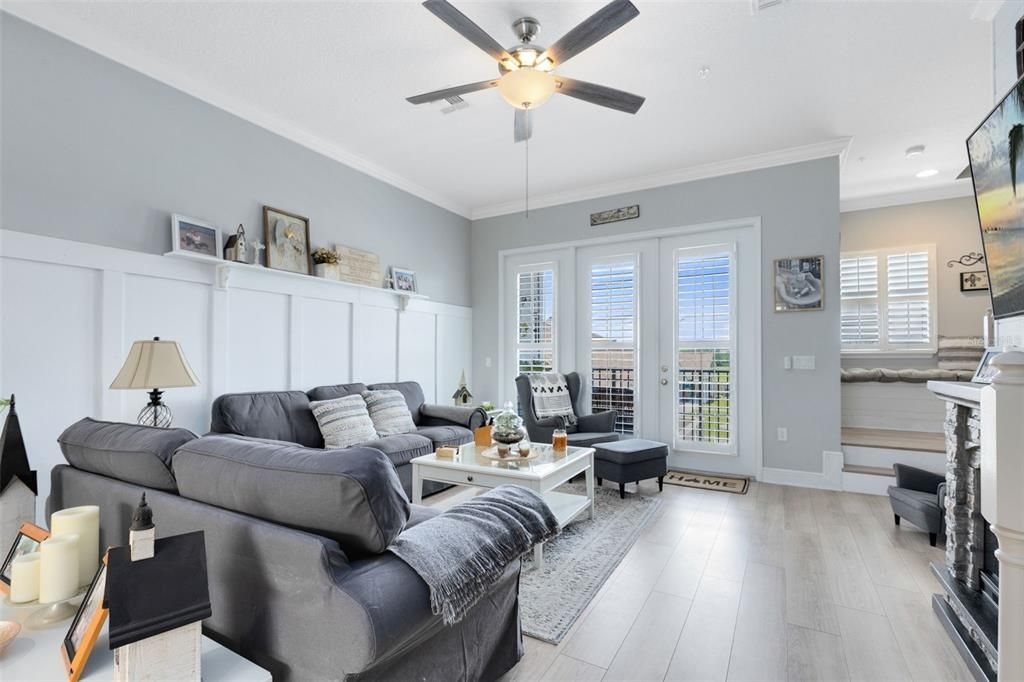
[{"x": 492, "y": 453}]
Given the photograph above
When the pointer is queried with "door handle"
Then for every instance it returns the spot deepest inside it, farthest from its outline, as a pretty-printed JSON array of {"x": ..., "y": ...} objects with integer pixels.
[{"x": 664, "y": 382}]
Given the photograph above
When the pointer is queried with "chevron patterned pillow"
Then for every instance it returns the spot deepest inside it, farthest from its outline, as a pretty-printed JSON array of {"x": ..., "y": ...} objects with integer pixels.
[
  {"x": 343, "y": 421},
  {"x": 389, "y": 412}
]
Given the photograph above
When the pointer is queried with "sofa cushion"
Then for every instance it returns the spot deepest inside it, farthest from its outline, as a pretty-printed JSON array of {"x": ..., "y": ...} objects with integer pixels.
[
  {"x": 351, "y": 496},
  {"x": 446, "y": 436},
  {"x": 389, "y": 412},
  {"x": 402, "y": 448},
  {"x": 274, "y": 415},
  {"x": 335, "y": 391},
  {"x": 410, "y": 390},
  {"x": 343, "y": 421},
  {"x": 128, "y": 452},
  {"x": 926, "y": 502}
]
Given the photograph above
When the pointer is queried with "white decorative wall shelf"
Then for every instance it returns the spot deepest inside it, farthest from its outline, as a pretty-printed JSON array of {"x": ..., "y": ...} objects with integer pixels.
[{"x": 225, "y": 270}]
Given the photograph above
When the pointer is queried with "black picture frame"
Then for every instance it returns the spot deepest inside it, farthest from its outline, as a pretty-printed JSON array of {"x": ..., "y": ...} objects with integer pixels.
[{"x": 974, "y": 280}]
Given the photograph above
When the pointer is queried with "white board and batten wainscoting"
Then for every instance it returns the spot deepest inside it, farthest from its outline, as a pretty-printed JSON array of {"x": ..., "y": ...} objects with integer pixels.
[{"x": 70, "y": 311}]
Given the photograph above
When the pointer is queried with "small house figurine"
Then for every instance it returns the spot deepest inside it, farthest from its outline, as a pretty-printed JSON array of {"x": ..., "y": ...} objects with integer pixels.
[
  {"x": 235, "y": 249},
  {"x": 158, "y": 596},
  {"x": 18, "y": 487},
  {"x": 462, "y": 396}
]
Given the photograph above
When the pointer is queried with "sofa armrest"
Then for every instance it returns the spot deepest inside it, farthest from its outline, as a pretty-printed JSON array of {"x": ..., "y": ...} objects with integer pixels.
[
  {"x": 600, "y": 422},
  {"x": 913, "y": 478},
  {"x": 941, "y": 498},
  {"x": 440, "y": 415}
]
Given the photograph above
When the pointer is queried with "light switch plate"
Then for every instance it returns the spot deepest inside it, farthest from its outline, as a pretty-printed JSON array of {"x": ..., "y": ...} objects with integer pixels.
[
  {"x": 803, "y": 362},
  {"x": 787, "y": 362},
  {"x": 783, "y": 433}
]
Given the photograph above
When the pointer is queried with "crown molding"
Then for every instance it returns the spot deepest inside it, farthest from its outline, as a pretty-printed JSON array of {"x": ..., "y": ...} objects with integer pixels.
[
  {"x": 836, "y": 147},
  {"x": 953, "y": 190},
  {"x": 43, "y": 16}
]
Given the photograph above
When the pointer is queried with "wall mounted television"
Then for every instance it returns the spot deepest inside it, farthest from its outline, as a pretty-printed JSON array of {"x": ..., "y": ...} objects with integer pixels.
[{"x": 996, "y": 152}]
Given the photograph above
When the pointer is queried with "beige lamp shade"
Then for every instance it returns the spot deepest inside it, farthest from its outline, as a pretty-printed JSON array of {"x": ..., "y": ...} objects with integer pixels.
[{"x": 155, "y": 364}]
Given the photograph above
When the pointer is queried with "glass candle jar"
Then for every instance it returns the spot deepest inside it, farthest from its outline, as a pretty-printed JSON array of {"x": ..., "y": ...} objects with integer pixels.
[{"x": 559, "y": 440}]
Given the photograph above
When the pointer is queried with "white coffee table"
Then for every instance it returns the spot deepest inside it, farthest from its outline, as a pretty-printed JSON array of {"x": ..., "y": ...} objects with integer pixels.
[{"x": 542, "y": 475}]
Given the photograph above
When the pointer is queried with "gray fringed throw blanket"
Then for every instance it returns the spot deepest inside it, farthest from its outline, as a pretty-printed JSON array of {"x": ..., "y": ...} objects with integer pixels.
[
  {"x": 463, "y": 551},
  {"x": 551, "y": 396}
]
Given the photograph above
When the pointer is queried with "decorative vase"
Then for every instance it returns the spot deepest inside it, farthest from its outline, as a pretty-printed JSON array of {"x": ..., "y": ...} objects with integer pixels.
[
  {"x": 508, "y": 426},
  {"x": 327, "y": 271}
]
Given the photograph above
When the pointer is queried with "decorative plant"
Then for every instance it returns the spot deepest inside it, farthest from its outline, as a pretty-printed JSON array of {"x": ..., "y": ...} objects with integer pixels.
[
  {"x": 507, "y": 422},
  {"x": 325, "y": 256},
  {"x": 487, "y": 406}
]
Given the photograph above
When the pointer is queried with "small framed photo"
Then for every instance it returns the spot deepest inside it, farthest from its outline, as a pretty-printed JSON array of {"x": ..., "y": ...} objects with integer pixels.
[
  {"x": 190, "y": 235},
  {"x": 287, "y": 238},
  {"x": 975, "y": 280},
  {"x": 403, "y": 280},
  {"x": 86, "y": 625},
  {"x": 985, "y": 371},
  {"x": 28, "y": 540},
  {"x": 799, "y": 285}
]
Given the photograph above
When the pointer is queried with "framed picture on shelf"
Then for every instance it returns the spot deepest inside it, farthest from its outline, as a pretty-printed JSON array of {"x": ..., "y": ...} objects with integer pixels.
[
  {"x": 985, "y": 371},
  {"x": 403, "y": 280},
  {"x": 287, "y": 238},
  {"x": 189, "y": 235},
  {"x": 27, "y": 541},
  {"x": 86, "y": 625},
  {"x": 798, "y": 284},
  {"x": 975, "y": 280}
]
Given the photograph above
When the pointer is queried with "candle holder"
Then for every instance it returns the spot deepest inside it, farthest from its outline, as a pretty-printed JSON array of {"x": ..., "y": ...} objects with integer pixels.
[{"x": 45, "y": 615}]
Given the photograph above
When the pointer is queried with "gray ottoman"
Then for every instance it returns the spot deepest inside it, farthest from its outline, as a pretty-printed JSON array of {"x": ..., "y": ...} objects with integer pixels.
[{"x": 630, "y": 460}]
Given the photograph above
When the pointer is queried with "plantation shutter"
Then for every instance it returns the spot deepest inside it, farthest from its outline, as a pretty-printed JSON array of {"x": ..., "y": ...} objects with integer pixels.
[
  {"x": 858, "y": 293},
  {"x": 706, "y": 349},
  {"x": 535, "y": 347},
  {"x": 613, "y": 339},
  {"x": 908, "y": 311}
]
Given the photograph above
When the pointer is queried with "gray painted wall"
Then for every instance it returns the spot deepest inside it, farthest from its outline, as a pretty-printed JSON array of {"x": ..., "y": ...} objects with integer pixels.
[
  {"x": 799, "y": 208},
  {"x": 95, "y": 152}
]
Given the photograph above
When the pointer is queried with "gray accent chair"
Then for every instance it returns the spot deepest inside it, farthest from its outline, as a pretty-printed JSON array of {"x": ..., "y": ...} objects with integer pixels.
[
  {"x": 919, "y": 496},
  {"x": 286, "y": 416},
  {"x": 589, "y": 428},
  {"x": 297, "y": 581}
]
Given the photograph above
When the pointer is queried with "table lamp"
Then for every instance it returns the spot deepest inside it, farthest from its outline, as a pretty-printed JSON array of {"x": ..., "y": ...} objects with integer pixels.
[{"x": 155, "y": 365}]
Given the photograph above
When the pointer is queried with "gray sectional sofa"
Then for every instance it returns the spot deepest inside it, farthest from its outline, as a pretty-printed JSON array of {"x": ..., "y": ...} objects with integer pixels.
[
  {"x": 295, "y": 537},
  {"x": 286, "y": 416}
]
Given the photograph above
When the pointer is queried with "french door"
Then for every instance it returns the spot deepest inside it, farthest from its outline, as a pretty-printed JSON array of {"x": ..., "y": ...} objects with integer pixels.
[{"x": 666, "y": 334}]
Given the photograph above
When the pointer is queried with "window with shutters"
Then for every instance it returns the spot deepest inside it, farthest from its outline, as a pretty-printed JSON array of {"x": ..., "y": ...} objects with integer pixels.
[
  {"x": 535, "y": 340},
  {"x": 613, "y": 312},
  {"x": 705, "y": 350},
  {"x": 888, "y": 300}
]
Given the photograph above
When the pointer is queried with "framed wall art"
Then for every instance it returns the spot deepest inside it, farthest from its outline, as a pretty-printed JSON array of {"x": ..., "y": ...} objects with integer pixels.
[
  {"x": 798, "y": 284},
  {"x": 198, "y": 237},
  {"x": 975, "y": 280},
  {"x": 287, "y": 238}
]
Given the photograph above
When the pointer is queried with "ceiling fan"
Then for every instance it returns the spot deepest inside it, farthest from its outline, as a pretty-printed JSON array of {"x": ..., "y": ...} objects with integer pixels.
[{"x": 527, "y": 77}]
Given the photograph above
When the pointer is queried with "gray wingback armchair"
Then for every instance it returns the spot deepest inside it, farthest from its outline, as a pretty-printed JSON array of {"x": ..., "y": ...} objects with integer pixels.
[
  {"x": 919, "y": 496},
  {"x": 589, "y": 429}
]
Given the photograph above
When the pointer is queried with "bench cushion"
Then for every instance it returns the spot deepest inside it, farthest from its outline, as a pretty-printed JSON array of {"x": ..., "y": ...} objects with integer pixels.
[
  {"x": 352, "y": 496},
  {"x": 630, "y": 451},
  {"x": 127, "y": 452}
]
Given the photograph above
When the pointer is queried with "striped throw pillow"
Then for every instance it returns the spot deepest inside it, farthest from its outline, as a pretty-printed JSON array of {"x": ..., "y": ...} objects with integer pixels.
[
  {"x": 389, "y": 412},
  {"x": 343, "y": 421}
]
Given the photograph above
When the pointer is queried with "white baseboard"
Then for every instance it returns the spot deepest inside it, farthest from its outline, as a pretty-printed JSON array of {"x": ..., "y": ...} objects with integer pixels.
[
  {"x": 829, "y": 478},
  {"x": 868, "y": 484}
]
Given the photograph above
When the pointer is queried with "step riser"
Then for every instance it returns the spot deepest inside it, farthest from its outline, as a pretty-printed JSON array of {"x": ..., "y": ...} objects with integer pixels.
[
  {"x": 882, "y": 457},
  {"x": 867, "y": 483}
]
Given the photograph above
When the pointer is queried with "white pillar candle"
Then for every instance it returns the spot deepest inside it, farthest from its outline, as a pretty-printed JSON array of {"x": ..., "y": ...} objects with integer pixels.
[
  {"x": 58, "y": 568},
  {"x": 85, "y": 523},
  {"x": 25, "y": 578}
]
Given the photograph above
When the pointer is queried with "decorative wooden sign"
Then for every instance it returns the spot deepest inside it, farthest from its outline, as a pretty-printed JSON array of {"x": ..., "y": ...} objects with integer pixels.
[
  {"x": 359, "y": 267},
  {"x": 615, "y": 215}
]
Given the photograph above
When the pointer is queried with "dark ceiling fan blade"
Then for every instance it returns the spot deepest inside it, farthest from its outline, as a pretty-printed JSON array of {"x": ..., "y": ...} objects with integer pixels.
[
  {"x": 599, "y": 25},
  {"x": 524, "y": 125},
  {"x": 599, "y": 95},
  {"x": 451, "y": 92},
  {"x": 446, "y": 12}
]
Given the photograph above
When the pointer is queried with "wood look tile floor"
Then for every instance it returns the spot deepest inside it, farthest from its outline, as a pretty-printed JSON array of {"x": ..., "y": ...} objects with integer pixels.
[{"x": 782, "y": 583}]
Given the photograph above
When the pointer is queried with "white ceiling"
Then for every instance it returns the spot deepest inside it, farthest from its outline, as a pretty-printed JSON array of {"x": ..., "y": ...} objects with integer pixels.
[{"x": 334, "y": 76}]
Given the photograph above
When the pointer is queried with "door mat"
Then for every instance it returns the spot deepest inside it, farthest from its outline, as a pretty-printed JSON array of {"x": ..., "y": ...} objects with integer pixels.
[{"x": 690, "y": 479}]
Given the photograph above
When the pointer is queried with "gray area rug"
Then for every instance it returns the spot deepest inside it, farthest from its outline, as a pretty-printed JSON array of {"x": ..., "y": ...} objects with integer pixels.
[{"x": 578, "y": 561}]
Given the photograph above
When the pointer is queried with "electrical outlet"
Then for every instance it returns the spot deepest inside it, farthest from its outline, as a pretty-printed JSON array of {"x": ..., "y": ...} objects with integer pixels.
[
  {"x": 787, "y": 362},
  {"x": 487, "y": 362},
  {"x": 783, "y": 434}
]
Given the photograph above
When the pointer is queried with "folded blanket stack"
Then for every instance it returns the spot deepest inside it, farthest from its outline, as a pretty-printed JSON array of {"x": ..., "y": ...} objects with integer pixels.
[
  {"x": 960, "y": 352},
  {"x": 462, "y": 552}
]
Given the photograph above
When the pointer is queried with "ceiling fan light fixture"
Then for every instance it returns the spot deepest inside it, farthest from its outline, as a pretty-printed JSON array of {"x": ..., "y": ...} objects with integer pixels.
[{"x": 526, "y": 88}]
